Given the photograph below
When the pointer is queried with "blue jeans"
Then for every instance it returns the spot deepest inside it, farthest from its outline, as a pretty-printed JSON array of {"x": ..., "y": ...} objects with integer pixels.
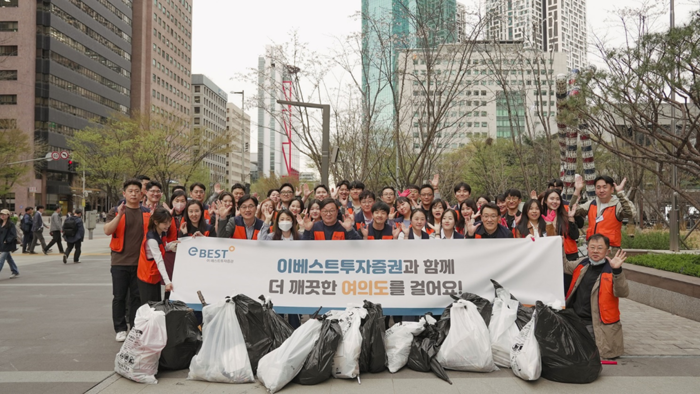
[{"x": 7, "y": 256}]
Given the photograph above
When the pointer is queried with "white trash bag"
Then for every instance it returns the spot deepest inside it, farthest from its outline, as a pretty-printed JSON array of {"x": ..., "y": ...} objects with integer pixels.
[
  {"x": 138, "y": 358},
  {"x": 281, "y": 365},
  {"x": 223, "y": 356},
  {"x": 398, "y": 341},
  {"x": 525, "y": 358},
  {"x": 502, "y": 327},
  {"x": 346, "y": 360},
  {"x": 468, "y": 344}
]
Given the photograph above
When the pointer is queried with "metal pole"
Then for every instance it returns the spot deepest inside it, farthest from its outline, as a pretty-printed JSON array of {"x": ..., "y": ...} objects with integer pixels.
[
  {"x": 674, "y": 227},
  {"x": 242, "y": 138},
  {"x": 83, "y": 189}
]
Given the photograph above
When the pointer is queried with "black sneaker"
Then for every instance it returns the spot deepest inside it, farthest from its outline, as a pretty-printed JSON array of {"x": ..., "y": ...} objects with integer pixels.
[
  {"x": 44, "y": 250},
  {"x": 76, "y": 262},
  {"x": 65, "y": 259},
  {"x": 33, "y": 253}
]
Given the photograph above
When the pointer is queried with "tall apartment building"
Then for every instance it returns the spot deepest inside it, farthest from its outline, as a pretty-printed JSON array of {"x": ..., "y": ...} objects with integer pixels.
[
  {"x": 389, "y": 27},
  {"x": 162, "y": 49},
  {"x": 209, "y": 119},
  {"x": 238, "y": 156},
  {"x": 496, "y": 77},
  {"x": 63, "y": 65},
  {"x": 276, "y": 151},
  {"x": 549, "y": 25}
]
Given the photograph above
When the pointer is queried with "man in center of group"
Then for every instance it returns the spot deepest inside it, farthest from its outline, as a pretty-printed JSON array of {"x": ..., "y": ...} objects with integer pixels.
[
  {"x": 490, "y": 226},
  {"x": 329, "y": 228},
  {"x": 513, "y": 199},
  {"x": 364, "y": 217}
]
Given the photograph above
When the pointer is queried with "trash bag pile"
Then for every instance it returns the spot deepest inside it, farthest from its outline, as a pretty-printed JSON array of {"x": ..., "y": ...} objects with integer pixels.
[{"x": 243, "y": 338}]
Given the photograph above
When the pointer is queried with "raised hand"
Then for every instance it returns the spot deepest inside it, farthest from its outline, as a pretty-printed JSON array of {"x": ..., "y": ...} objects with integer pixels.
[
  {"x": 550, "y": 216},
  {"x": 405, "y": 227},
  {"x": 435, "y": 228},
  {"x": 621, "y": 186},
  {"x": 414, "y": 203},
  {"x": 121, "y": 209},
  {"x": 518, "y": 218},
  {"x": 307, "y": 192},
  {"x": 222, "y": 211},
  {"x": 471, "y": 227},
  {"x": 297, "y": 191},
  {"x": 167, "y": 208},
  {"x": 268, "y": 216},
  {"x": 396, "y": 231},
  {"x": 435, "y": 181},
  {"x": 619, "y": 258},
  {"x": 334, "y": 193},
  {"x": 364, "y": 230},
  {"x": 572, "y": 211},
  {"x": 533, "y": 194},
  {"x": 343, "y": 201},
  {"x": 392, "y": 213},
  {"x": 578, "y": 182},
  {"x": 307, "y": 223},
  {"x": 348, "y": 223},
  {"x": 183, "y": 226}
]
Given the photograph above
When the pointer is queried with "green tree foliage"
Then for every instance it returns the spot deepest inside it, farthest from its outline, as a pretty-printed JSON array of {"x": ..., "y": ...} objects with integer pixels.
[{"x": 15, "y": 145}]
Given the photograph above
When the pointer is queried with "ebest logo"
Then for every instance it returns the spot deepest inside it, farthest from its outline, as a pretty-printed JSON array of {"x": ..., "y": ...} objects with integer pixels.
[{"x": 210, "y": 253}]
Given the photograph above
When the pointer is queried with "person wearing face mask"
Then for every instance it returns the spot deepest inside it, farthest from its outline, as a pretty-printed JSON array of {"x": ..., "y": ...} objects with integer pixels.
[
  {"x": 594, "y": 294},
  {"x": 285, "y": 227},
  {"x": 245, "y": 226},
  {"x": 151, "y": 269},
  {"x": 490, "y": 225}
]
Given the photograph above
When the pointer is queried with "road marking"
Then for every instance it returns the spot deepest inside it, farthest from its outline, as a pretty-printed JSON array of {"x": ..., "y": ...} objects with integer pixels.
[
  {"x": 54, "y": 284},
  {"x": 54, "y": 376}
]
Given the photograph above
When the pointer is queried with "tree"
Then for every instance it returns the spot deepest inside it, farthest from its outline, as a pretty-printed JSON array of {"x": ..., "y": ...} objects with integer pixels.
[{"x": 15, "y": 145}]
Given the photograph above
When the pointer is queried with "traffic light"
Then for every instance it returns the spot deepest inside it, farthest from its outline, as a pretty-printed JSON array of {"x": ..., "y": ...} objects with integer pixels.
[{"x": 71, "y": 166}]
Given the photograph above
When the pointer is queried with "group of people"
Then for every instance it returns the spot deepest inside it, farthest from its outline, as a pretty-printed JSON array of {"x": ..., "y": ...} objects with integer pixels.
[{"x": 145, "y": 231}]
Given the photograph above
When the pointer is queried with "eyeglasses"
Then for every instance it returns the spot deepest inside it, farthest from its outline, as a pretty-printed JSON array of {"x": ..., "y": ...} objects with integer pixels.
[
  {"x": 597, "y": 248},
  {"x": 247, "y": 207},
  {"x": 287, "y": 192},
  {"x": 329, "y": 212}
]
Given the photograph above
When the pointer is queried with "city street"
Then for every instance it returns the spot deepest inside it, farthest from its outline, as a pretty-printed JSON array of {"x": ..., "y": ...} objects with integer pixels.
[{"x": 56, "y": 336}]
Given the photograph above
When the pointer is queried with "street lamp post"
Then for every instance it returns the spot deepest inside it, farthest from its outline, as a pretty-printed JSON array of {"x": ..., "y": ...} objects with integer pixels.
[
  {"x": 674, "y": 225},
  {"x": 242, "y": 93},
  {"x": 325, "y": 139}
]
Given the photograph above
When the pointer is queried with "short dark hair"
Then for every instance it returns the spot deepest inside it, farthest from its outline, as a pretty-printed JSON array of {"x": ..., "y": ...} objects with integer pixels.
[
  {"x": 417, "y": 210},
  {"x": 152, "y": 184},
  {"x": 237, "y": 186},
  {"x": 605, "y": 178},
  {"x": 179, "y": 187},
  {"x": 596, "y": 237},
  {"x": 343, "y": 182},
  {"x": 485, "y": 197},
  {"x": 380, "y": 206},
  {"x": 129, "y": 182},
  {"x": 160, "y": 215},
  {"x": 357, "y": 185},
  {"x": 514, "y": 193},
  {"x": 490, "y": 205},
  {"x": 463, "y": 185},
  {"x": 367, "y": 193},
  {"x": 325, "y": 202},
  {"x": 246, "y": 198},
  {"x": 388, "y": 187},
  {"x": 440, "y": 202},
  {"x": 412, "y": 186},
  {"x": 192, "y": 186},
  {"x": 269, "y": 192},
  {"x": 143, "y": 178},
  {"x": 555, "y": 183},
  {"x": 321, "y": 185},
  {"x": 27, "y": 209},
  {"x": 38, "y": 207},
  {"x": 287, "y": 184},
  {"x": 501, "y": 197},
  {"x": 178, "y": 193},
  {"x": 426, "y": 186}
]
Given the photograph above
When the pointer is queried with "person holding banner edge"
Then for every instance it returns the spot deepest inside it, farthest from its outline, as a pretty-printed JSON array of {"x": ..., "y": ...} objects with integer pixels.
[{"x": 151, "y": 268}]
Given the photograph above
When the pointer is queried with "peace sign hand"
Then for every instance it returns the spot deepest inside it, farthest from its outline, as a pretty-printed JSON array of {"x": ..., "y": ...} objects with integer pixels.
[
  {"x": 183, "y": 226},
  {"x": 435, "y": 228},
  {"x": 405, "y": 227},
  {"x": 621, "y": 187},
  {"x": 518, "y": 218},
  {"x": 268, "y": 216},
  {"x": 396, "y": 231},
  {"x": 364, "y": 230}
]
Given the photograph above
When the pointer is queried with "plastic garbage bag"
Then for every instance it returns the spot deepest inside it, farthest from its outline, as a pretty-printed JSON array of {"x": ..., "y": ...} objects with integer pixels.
[
  {"x": 468, "y": 345},
  {"x": 138, "y": 357},
  {"x": 276, "y": 326},
  {"x": 373, "y": 350},
  {"x": 223, "y": 356},
  {"x": 525, "y": 354},
  {"x": 502, "y": 327},
  {"x": 318, "y": 367},
  {"x": 281, "y": 365},
  {"x": 569, "y": 353},
  {"x": 423, "y": 351},
  {"x": 524, "y": 312},
  {"x": 184, "y": 338},
  {"x": 346, "y": 359},
  {"x": 398, "y": 341},
  {"x": 483, "y": 305},
  {"x": 250, "y": 317}
]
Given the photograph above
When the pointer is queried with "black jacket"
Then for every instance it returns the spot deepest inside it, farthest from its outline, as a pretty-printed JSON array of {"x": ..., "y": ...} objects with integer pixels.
[{"x": 8, "y": 237}]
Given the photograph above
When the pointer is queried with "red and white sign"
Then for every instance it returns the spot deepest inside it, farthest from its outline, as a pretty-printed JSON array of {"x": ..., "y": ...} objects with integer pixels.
[
  {"x": 55, "y": 155},
  {"x": 64, "y": 154}
]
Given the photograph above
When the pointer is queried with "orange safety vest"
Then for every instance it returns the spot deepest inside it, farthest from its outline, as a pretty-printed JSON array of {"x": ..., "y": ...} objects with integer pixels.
[
  {"x": 117, "y": 242},
  {"x": 607, "y": 225},
  {"x": 321, "y": 236},
  {"x": 608, "y": 304},
  {"x": 570, "y": 245},
  {"x": 172, "y": 231},
  {"x": 148, "y": 269},
  {"x": 372, "y": 232},
  {"x": 240, "y": 233}
]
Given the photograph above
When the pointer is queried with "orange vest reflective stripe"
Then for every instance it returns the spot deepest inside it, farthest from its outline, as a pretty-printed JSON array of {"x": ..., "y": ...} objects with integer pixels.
[
  {"x": 148, "y": 269},
  {"x": 608, "y": 304},
  {"x": 117, "y": 242},
  {"x": 570, "y": 245},
  {"x": 321, "y": 236},
  {"x": 608, "y": 226}
]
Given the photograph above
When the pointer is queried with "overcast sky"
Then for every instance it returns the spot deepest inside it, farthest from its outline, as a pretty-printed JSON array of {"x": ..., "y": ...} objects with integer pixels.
[{"x": 229, "y": 35}]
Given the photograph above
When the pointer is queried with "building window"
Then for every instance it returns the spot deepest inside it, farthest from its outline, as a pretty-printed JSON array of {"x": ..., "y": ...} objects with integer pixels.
[
  {"x": 196, "y": 89},
  {"x": 9, "y": 3},
  {"x": 8, "y": 50},
  {"x": 8, "y": 26},
  {"x": 8, "y": 99},
  {"x": 8, "y": 75},
  {"x": 196, "y": 110}
]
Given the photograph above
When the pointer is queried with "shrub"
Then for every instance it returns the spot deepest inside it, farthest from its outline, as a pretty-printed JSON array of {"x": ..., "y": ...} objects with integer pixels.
[
  {"x": 686, "y": 264},
  {"x": 650, "y": 240}
]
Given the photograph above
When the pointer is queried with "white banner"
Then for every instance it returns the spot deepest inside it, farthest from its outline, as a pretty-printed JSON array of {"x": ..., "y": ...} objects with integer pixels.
[{"x": 406, "y": 277}]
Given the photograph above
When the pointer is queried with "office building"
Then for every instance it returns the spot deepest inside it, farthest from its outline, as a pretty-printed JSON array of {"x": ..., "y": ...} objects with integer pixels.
[
  {"x": 64, "y": 64},
  {"x": 277, "y": 154},
  {"x": 209, "y": 122},
  {"x": 162, "y": 49},
  {"x": 549, "y": 25},
  {"x": 238, "y": 165}
]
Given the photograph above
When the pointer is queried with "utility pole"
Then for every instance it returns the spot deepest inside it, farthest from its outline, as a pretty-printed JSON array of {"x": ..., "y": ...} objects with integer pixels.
[{"x": 674, "y": 228}]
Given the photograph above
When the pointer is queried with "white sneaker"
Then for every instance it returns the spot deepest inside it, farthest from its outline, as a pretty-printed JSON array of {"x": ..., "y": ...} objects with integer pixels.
[
  {"x": 121, "y": 336},
  {"x": 14, "y": 276}
]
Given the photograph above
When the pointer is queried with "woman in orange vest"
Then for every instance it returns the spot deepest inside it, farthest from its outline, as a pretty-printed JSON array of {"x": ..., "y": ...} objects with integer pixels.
[
  {"x": 194, "y": 223},
  {"x": 532, "y": 224},
  {"x": 414, "y": 230},
  {"x": 245, "y": 226},
  {"x": 562, "y": 222},
  {"x": 178, "y": 202},
  {"x": 151, "y": 269}
]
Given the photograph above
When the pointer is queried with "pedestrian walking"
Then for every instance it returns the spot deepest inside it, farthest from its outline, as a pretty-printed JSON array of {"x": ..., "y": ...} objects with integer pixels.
[
  {"x": 8, "y": 242},
  {"x": 38, "y": 231},
  {"x": 73, "y": 233},
  {"x": 55, "y": 231},
  {"x": 26, "y": 227}
]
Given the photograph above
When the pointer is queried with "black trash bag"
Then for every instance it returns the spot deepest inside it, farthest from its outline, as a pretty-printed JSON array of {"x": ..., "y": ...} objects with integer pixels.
[
  {"x": 569, "y": 353},
  {"x": 483, "y": 305},
  {"x": 524, "y": 312},
  {"x": 250, "y": 317},
  {"x": 423, "y": 351},
  {"x": 373, "y": 350},
  {"x": 184, "y": 337},
  {"x": 276, "y": 326},
  {"x": 318, "y": 366}
]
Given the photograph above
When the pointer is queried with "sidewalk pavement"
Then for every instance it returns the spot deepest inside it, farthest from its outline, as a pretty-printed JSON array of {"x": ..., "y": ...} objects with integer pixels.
[{"x": 56, "y": 336}]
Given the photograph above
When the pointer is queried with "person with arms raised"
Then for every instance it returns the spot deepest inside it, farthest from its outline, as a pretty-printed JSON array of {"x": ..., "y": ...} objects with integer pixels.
[
  {"x": 329, "y": 228},
  {"x": 490, "y": 225},
  {"x": 245, "y": 226}
]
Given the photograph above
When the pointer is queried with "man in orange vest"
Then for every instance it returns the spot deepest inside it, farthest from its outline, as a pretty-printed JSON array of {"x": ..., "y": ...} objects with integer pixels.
[
  {"x": 597, "y": 284},
  {"x": 606, "y": 211},
  {"x": 127, "y": 225}
]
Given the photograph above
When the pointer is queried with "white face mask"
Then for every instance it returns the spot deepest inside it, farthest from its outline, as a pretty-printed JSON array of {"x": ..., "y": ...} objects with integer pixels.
[
  {"x": 179, "y": 206},
  {"x": 285, "y": 226}
]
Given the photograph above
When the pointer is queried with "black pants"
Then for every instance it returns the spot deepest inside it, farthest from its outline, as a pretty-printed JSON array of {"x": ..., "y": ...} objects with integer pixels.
[
  {"x": 26, "y": 241},
  {"x": 55, "y": 240},
  {"x": 69, "y": 248},
  {"x": 148, "y": 291},
  {"x": 37, "y": 236},
  {"x": 124, "y": 282}
]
